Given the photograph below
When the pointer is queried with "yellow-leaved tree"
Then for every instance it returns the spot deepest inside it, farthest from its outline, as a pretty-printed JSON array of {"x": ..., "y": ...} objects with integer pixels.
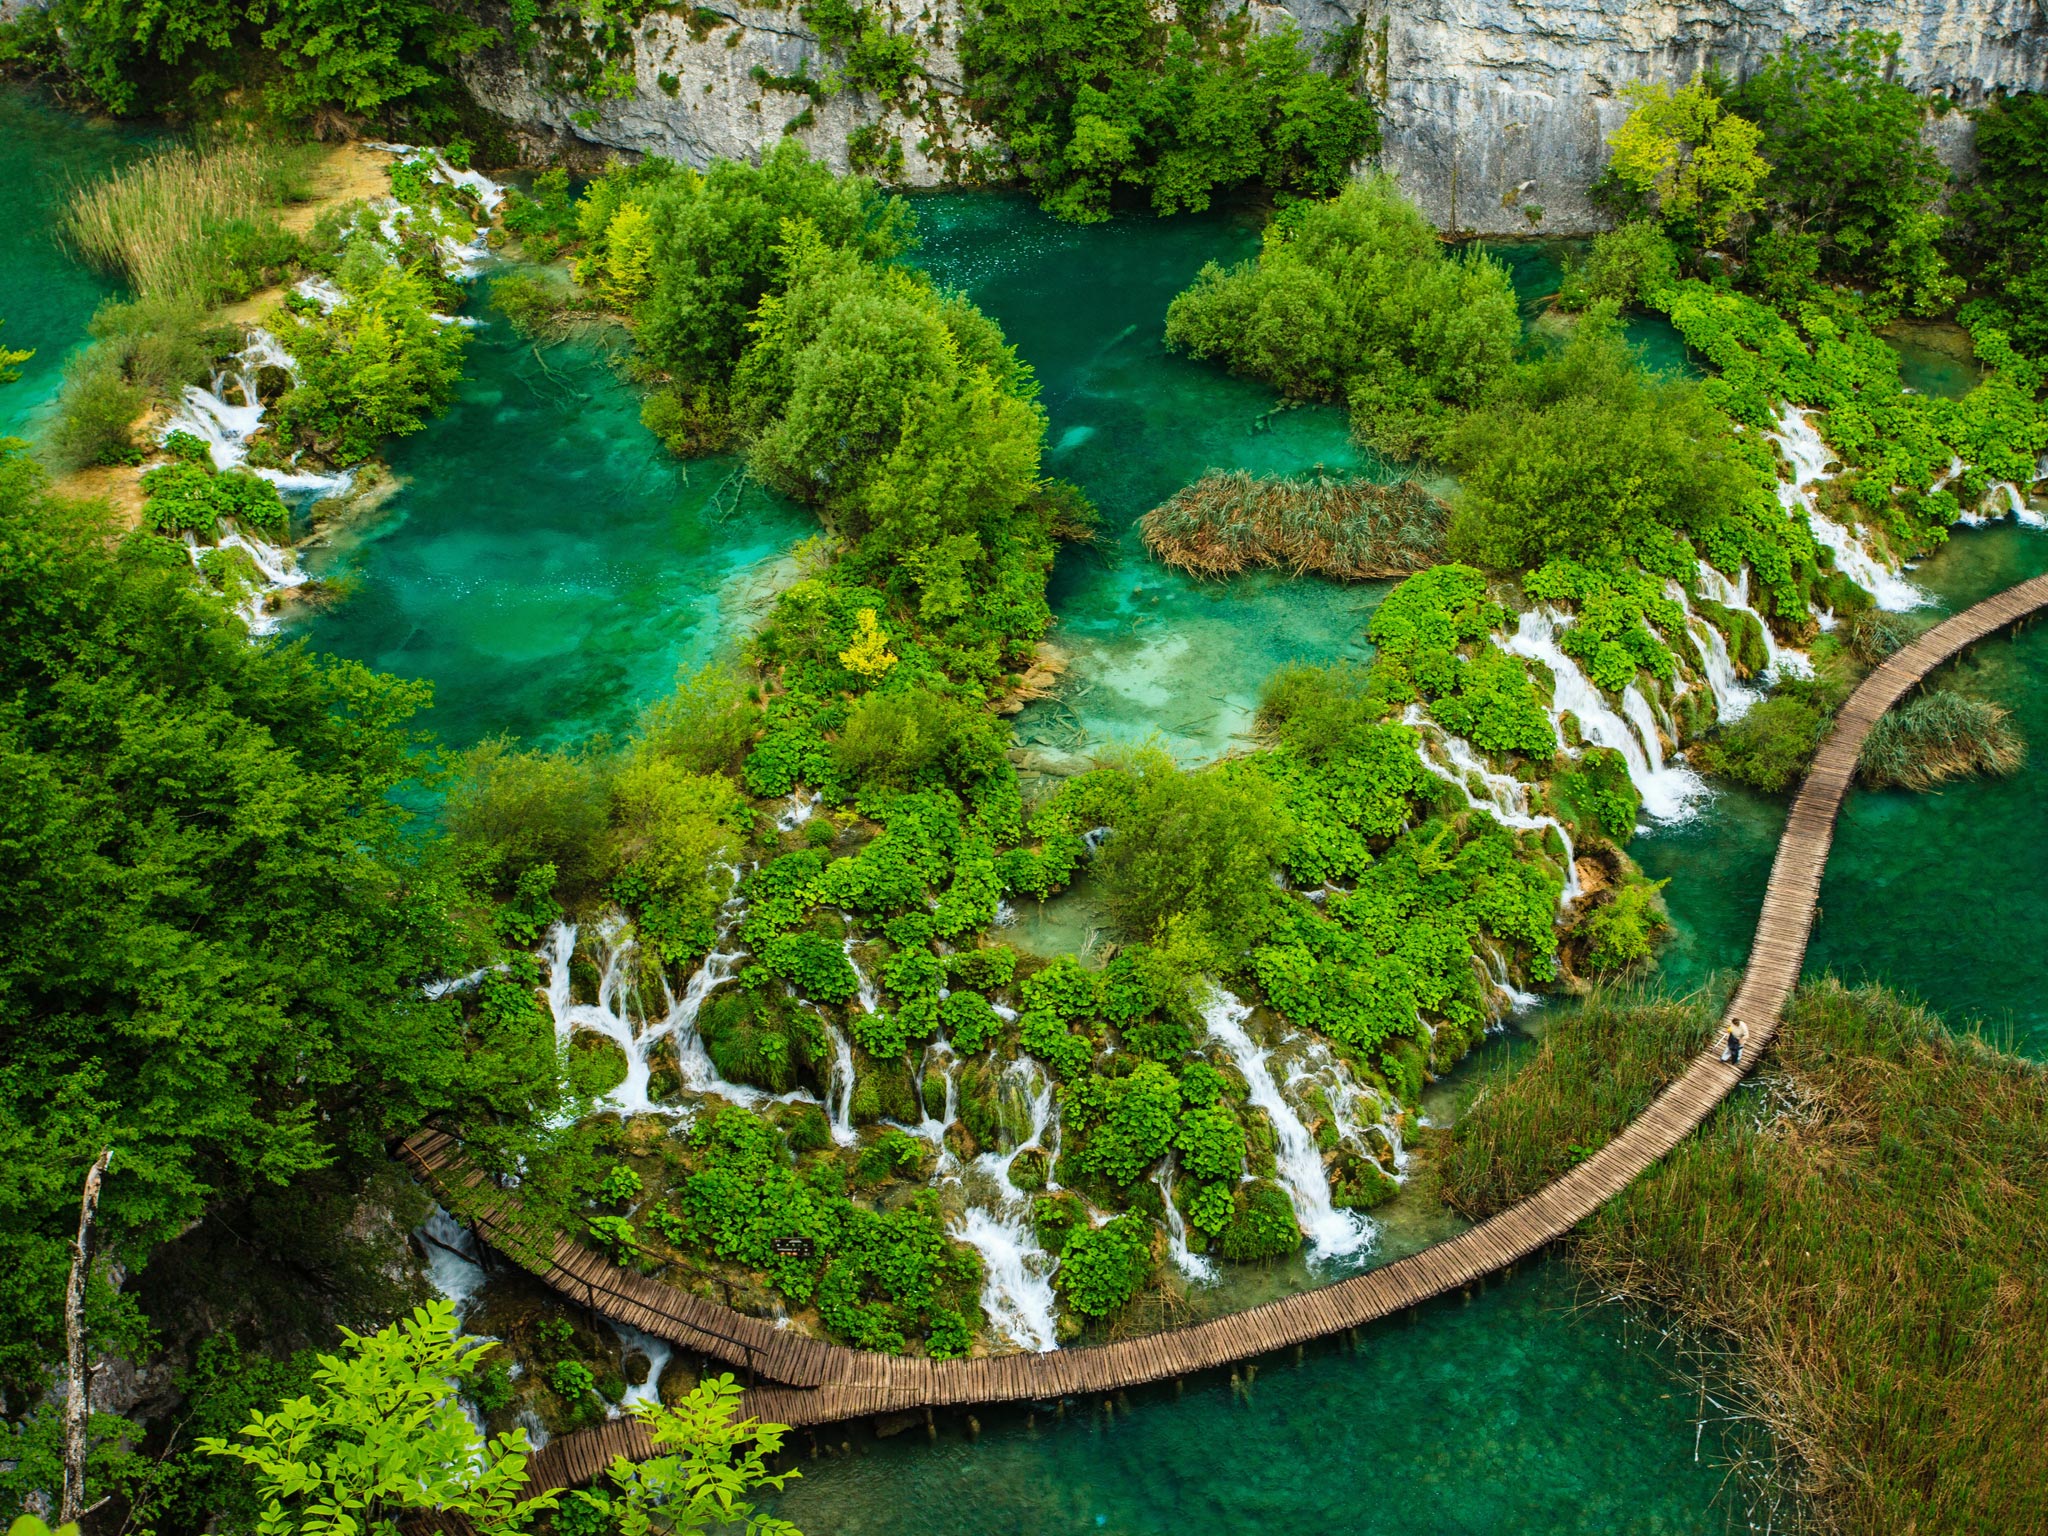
[
  {"x": 869, "y": 655},
  {"x": 1691, "y": 156}
]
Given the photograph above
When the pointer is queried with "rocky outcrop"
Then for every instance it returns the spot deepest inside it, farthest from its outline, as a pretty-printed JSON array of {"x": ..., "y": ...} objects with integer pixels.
[
  {"x": 1495, "y": 113},
  {"x": 728, "y": 82}
]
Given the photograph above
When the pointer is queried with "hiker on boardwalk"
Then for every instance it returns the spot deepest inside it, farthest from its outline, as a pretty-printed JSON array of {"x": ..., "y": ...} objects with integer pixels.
[{"x": 1731, "y": 1048}]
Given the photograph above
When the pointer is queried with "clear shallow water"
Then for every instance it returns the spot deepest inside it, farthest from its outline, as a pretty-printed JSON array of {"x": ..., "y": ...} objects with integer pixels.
[
  {"x": 1502, "y": 1414},
  {"x": 1155, "y": 653},
  {"x": 547, "y": 565},
  {"x": 46, "y": 297}
]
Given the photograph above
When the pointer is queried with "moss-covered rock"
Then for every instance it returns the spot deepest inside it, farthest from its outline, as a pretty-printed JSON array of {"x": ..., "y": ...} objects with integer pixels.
[{"x": 1263, "y": 1226}]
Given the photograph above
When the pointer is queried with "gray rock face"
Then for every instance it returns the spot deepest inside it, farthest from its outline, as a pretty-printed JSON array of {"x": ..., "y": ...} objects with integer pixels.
[
  {"x": 1505, "y": 105},
  {"x": 1495, "y": 113},
  {"x": 718, "y": 83}
]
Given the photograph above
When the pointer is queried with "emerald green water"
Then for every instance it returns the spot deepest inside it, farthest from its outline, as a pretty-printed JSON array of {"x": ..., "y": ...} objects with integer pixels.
[
  {"x": 546, "y": 564},
  {"x": 1155, "y": 653},
  {"x": 1502, "y": 1414},
  {"x": 46, "y": 298},
  {"x": 549, "y": 568}
]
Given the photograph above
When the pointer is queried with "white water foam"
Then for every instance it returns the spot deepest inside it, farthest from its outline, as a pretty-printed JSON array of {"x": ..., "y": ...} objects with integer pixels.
[
  {"x": 1332, "y": 1233},
  {"x": 454, "y": 1266},
  {"x": 1668, "y": 793},
  {"x": 1016, "y": 1287},
  {"x": 1195, "y": 1266},
  {"x": 1500, "y": 795},
  {"x": 1809, "y": 457}
]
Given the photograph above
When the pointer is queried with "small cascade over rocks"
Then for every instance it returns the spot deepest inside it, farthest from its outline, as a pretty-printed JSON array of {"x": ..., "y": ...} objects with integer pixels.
[
  {"x": 1781, "y": 661},
  {"x": 1196, "y": 1267},
  {"x": 454, "y": 1265},
  {"x": 658, "y": 1352},
  {"x": 1809, "y": 457},
  {"x": 1732, "y": 698},
  {"x": 1516, "y": 1000},
  {"x": 1669, "y": 793},
  {"x": 1332, "y": 1233},
  {"x": 1500, "y": 795},
  {"x": 1016, "y": 1286}
]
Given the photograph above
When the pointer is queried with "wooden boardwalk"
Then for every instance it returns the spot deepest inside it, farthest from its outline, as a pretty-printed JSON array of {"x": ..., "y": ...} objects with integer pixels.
[{"x": 816, "y": 1383}]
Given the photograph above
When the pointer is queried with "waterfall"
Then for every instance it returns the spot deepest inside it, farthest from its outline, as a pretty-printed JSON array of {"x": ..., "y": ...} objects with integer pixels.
[
  {"x": 1497, "y": 976},
  {"x": 454, "y": 1266},
  {"x": 1016, "y": 1286},
  {"x": 2016, "y": 504},
  {"x": 799, "y": 811},
  {"x": 1315, "y": 1063},
  {"x": 1779, "y": 661},
  {"x": 839, "y": 1089},
  {"x": 610, "y": 1017},
  {"x": 1331, "y": 1233},
  {"x": 1668, "y": 794},
  {"x": 932, "y": 1127},
  {"x": 1505, "y": 797},
  {"x": 1190, "y": 1263},
  {"x": 658, "y": 1352},
  {"x": 1731, "y": 699},
  {"x": 1809, "y": 457}
]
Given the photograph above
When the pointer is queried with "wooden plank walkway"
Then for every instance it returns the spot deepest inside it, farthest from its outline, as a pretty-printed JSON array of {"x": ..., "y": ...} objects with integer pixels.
[{"x": 817, "y": 1383}]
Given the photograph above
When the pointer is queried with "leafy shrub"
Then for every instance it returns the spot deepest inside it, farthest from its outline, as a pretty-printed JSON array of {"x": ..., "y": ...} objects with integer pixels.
[
  {"x": 1102, "y": 1268},
  {"x": 970, "y": 1023},
  {"x": 572, "y": 1379},
  {"x": 1088, "y": 97},
  {"x": 509, "y": 811},
  {"x": 1618, "y": 933},
  {"x": 1263, "y": 1225},
  {"x": 96, "y": 412},
  {"x": 188, "y": 497},
  {"x": 1356, "y": 298}
]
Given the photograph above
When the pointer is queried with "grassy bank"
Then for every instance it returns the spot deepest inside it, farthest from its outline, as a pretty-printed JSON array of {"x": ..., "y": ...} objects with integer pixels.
[{"x": 1866, "y": 1224}]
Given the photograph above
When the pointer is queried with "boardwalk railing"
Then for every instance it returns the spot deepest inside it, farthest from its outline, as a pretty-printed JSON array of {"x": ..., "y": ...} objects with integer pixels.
[{"x": 818, "y": 1383}]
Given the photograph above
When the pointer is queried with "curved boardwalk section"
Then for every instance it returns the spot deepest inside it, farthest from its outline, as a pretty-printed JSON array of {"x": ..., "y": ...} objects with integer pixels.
[{"x": 817, "y": 1383}]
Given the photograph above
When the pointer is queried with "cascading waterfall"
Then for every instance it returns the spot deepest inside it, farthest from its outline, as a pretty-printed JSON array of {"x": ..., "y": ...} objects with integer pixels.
[
  {"x": 1331, "y": 1233},
  {"x": 1668, "y": 793},
  {"x": 1809, "y": 457},
  {"x": 1732, "y": 699},
  {"x": 454, "y": 1266},
  {"x": 799, "y": 810},
  {"x": 1195, "y": 1266},
  {"x": 932, "y": 1127},
  {"x": 1016, "y": 1286},
  {"x": 1505, "y": 797},
  {"x": 658, "y": 1352},
  {"x": 1497, "y": 977},
  {"x": 839, "y": 1090},
  {"x": 1780, "y": 661},
  {"x": 1314, "y": 1064}
]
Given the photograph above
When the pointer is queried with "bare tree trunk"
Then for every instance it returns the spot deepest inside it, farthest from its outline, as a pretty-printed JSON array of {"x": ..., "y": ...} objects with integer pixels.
[{"x": 77, "y": 1403}]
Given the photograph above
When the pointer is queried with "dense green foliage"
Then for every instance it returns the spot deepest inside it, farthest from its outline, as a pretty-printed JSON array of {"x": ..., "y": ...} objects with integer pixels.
[
  {"x": 1852, "y": 188},
  {"x": 298, "y": 57},
  {"x": 1089, "y": 97},
  {"x": 2001, "y": 218},
  {"x": 213, "y": 889},
  {"x": 1355, "y": 299}
]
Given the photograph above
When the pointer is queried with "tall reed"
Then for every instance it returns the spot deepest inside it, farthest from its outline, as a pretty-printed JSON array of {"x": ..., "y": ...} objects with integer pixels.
[
  {"x": 158, "y": 220},
  {"x": 1939, "y": 736},
  {"x": 1866, "y": 1228},
  {"x": 1352, "y": 529}
]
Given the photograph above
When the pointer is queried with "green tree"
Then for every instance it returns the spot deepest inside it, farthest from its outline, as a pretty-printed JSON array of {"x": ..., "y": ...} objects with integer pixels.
[
  {"x": 1693, "y": 160},
  {"x": 222, "y": 922},
  {"x": 1356, "y": 298},
  {"x": 383, "y": 1435},
  {"x": 2002, "y": 216},
  {"x": 1849, "y": 175},
  {"x": 706, "y": 1459},
  {"x": 1197, "y": 847}
]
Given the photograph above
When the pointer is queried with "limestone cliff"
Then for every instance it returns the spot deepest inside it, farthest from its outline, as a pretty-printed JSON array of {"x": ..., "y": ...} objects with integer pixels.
[{"x": 1494, "y": 112}]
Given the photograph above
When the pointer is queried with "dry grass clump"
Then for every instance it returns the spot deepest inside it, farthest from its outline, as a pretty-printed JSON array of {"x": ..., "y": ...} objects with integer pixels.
[
  {"x": 157, "y": 220},
  {"x": 1229, "y": 522},
  {"x": 1866, "y": 1226},
  {"x": 1937, "y": 737}
]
